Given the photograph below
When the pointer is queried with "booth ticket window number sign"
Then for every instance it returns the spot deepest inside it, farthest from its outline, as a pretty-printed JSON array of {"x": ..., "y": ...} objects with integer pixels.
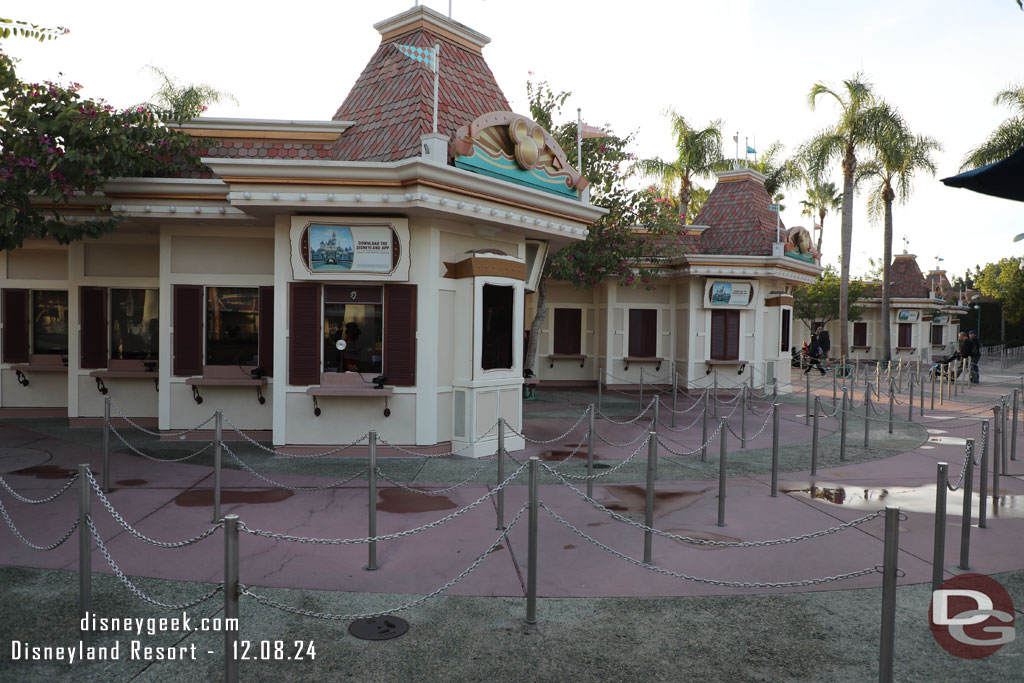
[{"x": 341, "y": 248}]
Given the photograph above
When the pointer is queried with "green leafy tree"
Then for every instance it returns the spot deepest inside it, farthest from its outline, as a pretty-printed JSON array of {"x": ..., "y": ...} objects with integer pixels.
[
  {"x": 614, "y": 248},
  {"x": 56, "y": 146},
  {"x": 698, "y": 155},
  {"x": 183, "y": 102},
  {"x": 861, "y": 114},
  {"x": 1008, "y": 137},
  {"x": 1004, "y": 282},
  {"x": 822, "y": 197},
  {"x": 899, "y": 154},
  {"x": 819, "y": 302}
]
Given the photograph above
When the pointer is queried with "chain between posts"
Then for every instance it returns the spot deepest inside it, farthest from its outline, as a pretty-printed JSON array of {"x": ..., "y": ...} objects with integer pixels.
[
  {"x": 33, "y": 546},
  {"x": 433, "y": 492},
  {"x": 641, "y": 435},
  {"x": 135, "y": 589},
  {"x": 389, "y": 537},
  {"x": 557, "y": 438},
  {"x": 136, "y": 451},
  {"x": 263, "y": 600},
  {"x": 710, "y": 582},
  {"x": 178, "y": 435},
  {"x": 711, "y": 438},
  {"x": 697, "y": 402},
  {"x": 679, "y": 430},
  {"x": 33, "y": 501},
  {"x": 608, "y": 471},
  {"x": 138, "y": 534},
  {"x": 627, "y": 422},
  {"x": 763, "y": 427},
  {"x": 250, "y": 470},
  {"x": 274, "y": 451}
]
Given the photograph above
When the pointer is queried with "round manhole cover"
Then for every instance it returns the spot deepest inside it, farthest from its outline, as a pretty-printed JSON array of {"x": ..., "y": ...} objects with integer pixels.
[
  {"x": 379, "y": 628},
  {"x": 14, "y": 459}
]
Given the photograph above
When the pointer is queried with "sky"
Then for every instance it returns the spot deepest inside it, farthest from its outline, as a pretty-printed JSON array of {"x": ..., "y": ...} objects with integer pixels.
[{"x": 749, "y": 64}]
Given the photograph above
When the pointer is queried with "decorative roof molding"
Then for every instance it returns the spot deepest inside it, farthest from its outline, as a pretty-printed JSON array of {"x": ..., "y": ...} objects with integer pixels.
[
  {"x": 279, "y": 129},
  {"x": 736, "y": 175},
  {"x": 422, "y": 17}
]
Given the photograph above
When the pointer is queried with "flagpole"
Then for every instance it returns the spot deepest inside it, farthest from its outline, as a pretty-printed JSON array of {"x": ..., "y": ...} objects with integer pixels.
[
  {"x": 746, "y": 147},
  {"x": 736, "y": 139},
  {"x": 437, "y": 68},
  {"x": 579, "y": 139}
]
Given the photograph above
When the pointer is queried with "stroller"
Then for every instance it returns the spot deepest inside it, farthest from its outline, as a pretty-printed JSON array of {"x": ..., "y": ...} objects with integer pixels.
[{"x": 944, "y": 364}]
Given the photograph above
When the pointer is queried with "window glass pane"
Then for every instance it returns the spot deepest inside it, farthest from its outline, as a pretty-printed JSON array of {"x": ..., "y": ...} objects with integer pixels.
[
  {"x": 232, "y": 319},
  {"x": 497, "y": 327},
  {"x": 786, "y": 317},
  {"x": 134, "y": 321},
  {"x": 362, "y": 328},
  {"x": 50, "y": 322}
]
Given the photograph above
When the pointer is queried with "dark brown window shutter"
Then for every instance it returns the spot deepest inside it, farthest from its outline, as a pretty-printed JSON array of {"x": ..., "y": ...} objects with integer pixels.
[
  {"x": 266, "y": 331},
  {"x": 305, "y": 333},
  {"x": 400, "y": 335},
  {"x": 732, "y": 335},
  {"x": 860, "y": 334},
  {"x": 718, "y": 335},
  {"x": 188, "y": 330},
  {"x": 937, "y": 334},
  {"x": 15, "y": 320},
  {"x": 906, "y": 334},
  {"x": 787, "y": 316},
  {"x": 93, "y": 338},
  {"x": 643, "y": 331},
  {"x": 568, "y": 322}
]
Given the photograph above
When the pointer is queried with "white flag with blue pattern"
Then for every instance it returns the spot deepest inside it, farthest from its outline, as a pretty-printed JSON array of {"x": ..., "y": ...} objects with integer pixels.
[{"x": 421, "y": 54}]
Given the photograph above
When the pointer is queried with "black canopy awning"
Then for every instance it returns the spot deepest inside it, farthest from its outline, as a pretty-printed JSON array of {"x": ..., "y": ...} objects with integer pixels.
[{"x": 1004, "y": 178}]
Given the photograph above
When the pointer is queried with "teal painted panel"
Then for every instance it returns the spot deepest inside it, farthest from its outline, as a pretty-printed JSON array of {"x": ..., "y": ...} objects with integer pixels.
[{"x": 504, "y": 169}]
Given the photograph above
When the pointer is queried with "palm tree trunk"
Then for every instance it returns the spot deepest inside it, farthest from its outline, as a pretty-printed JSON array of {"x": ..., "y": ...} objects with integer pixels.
[
  {"x": 849, "y": 168},
  {"x": 821, "y": 226},
  {"x": 887, "y": 197}
]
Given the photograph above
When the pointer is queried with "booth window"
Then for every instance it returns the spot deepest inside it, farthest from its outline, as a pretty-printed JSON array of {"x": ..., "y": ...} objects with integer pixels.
[
  {"x": 232, "y": 326},
  {"x": 568, "y": 324},
  {"x": 496, "y": 334},
  {"x": 50, "y": 322},
  {"x": 860, "y": 334},
  {"x": 134, "y": 324},
  {"x": 643, "y": 332},
  {"x": 905, "y": 335},
  {"x": 355, "y": 315},
  {"x": 787, "y": 317},
  {"x": 937, "y": 335},
  {"x": 725, "y": 335}
]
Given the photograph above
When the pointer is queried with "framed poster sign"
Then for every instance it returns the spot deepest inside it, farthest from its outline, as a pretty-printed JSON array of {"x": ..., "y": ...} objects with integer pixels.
[
  {"x": 908, "y": 316},
  {"x": 353, "y": 248},
  {"x": 730, "y": 293}
]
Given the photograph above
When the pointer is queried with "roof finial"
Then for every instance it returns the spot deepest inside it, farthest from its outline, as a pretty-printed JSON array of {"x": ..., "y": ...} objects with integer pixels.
[{"x": 905, "y": 243}]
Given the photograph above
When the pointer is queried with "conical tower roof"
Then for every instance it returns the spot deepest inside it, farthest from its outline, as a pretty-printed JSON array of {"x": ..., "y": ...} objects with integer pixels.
[
  {"x": 737, "y": 215},
  {"x": 905, "y": 278},
  {"x": 392, "y": 102}
]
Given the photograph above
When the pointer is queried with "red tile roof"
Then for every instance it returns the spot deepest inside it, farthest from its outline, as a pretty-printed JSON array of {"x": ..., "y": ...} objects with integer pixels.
[
  {"x": 392, "y": 102},
  {"x": 906, "y": 280},
  {"x": 938, "y": 281},
  {"x": 739, "y": 219}
]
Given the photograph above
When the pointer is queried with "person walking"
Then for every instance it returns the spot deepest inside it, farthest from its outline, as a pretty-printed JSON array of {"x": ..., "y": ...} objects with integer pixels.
[
  {"x": 975, "y": 356},
  {"x": 825, "y": 344},
  {"x": 965, "y": 349},
  {"x": 814, "y": 356}
]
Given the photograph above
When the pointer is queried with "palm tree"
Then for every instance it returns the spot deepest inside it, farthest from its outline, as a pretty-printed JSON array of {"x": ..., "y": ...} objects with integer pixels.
[
  {"x": 821, "y": 198},
  {"x": 183, "y": 102},
  {"x": 778, "y": 173},
  {"x": 898, "y": 156},
  {"x": 861, "y": 114},
  {"x": 699, "y": 154},
  {"x": 1007, "y": 138}
]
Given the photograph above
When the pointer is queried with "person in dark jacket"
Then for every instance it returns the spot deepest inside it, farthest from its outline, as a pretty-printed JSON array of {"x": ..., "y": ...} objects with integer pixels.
[
  {"x": 814, "y": 356},
  {"x": 965, "y": 348},
  {"x": 825, "y": 344},
  {"x": 975, "y": 356}
]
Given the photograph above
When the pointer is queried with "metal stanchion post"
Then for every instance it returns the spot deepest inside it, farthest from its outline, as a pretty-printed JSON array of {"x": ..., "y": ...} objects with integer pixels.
[
  {"x": 920, "y": 380},
  {"x": 842, "y": 429},
  {"x": 878, "y": 373},
  {"x": 997, "y": 461},
  {"x": 652, "y": 457},
  {"x": 590, "y": 454},
  {"x": 899, "y": 375},
  {"x": 983, "y": 480},
  {"x": 600, "y": 382},
  {"x": 775, "y": 450},
  {"x": 230, "y": 598},
  {"x": 743, "y": 417},
  {"x": 722, "y": 458},
  {"x": 106, "y": 444},
  {"x": 939, "y": 547},
  {"x": 531, "y": 544},
  {"x": 1013, "y": 425},
  {"x": 714, "y": 403},
  {"x": 807, "y": 398},
  {"x": 890, "y": 559},
  {"x": 814, "y": 437},
  {"x": 867, "y": 414},
  {"x": 933, "y": 390},
  {"x": 371, "y": 493},
  {"x": 654, "y": 429},
  {"x": 500, "y": 458},
  {"x": 675, "y": 393},
  {"x": 641, "y": 387},
  {"x": 910, "y": 395},
  {"x": 217, "y": 464},
  {"x": 892, "y": 398},
  {"x": 965, "y": 523},
  {"x": 704, "y": 436},
  {"x": 84, "y": 542},
  {"x": 1003, "y": 441}
]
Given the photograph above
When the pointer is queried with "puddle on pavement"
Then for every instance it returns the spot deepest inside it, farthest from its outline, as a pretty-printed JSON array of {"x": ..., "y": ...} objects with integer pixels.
[
  {"x": 559, "y": 454},
  {"x": 204, "y": 497},
  {"x": 908, "y": 498},
  {"x": 497, "y": 548},
  {"x": 46, "y": 472},
  {"x": 131, "y": 482},
  {"x": 401, "y": 501},
  {"x": 568, "y": 547},
  {"x": 702, "y": 535},
  {"x": 632, "y": 499}
]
